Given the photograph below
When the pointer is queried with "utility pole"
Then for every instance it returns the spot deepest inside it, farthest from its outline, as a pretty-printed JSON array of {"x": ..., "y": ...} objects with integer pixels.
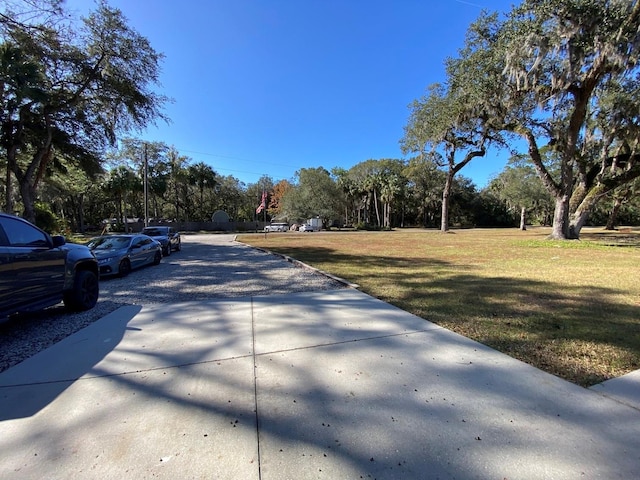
[{"x": 146, "y": 186}]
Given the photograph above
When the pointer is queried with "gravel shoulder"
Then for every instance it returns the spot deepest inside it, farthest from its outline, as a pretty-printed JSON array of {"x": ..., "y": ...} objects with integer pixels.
[{"x": 208, "y": 266}]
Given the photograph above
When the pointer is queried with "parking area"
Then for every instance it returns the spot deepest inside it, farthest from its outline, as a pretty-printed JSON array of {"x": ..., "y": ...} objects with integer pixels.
[
  {"x": 208, "y": 266},
  {"x": 309, "y": 384}
]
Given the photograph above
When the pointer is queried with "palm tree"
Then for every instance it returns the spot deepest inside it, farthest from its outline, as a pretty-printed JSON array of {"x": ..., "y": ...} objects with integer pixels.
[
  {"x": 177, "y": 176},
  {"x": 390, "y": 187},
  {"x": 204, "y": 177},
  {"x": 121, "y": 181}
]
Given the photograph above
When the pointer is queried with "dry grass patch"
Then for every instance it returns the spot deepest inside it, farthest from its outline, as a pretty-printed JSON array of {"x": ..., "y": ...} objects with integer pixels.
[{"x": 570, "y": 308}]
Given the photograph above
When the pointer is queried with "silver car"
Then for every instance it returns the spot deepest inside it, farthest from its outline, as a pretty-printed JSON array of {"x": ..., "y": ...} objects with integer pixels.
[
  {"x": 276, "y": 227},
  {"x": 119, "y": 254}
]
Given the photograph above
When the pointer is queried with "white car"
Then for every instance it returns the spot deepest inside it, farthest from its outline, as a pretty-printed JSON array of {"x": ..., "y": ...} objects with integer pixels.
[
  {"x": 277, "y": 227},
  {"x": 306, "y": 228}
]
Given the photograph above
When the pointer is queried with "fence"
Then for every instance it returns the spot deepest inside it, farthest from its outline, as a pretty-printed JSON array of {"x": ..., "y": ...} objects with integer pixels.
[{"x": 204, "y": 226}]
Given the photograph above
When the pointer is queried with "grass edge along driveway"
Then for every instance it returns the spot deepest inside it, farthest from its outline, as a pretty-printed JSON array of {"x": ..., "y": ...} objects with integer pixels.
[{"x": 570, "y": 308}]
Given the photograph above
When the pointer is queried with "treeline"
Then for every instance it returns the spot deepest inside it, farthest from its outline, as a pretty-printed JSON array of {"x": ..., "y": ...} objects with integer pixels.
[
  {"x": 374, "y": 194},
  {"x": 177, "y": 189},
  {"x": 389, "y": 193}
]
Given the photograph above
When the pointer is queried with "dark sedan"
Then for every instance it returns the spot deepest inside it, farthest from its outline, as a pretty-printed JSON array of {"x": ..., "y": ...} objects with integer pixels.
[
  {"x": 168, "y": 237},
  {"x": 119, "y": 254}
]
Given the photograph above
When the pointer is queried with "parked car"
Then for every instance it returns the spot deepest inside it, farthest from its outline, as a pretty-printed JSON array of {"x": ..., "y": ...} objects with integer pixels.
[
  {"x": 276, "y": 227},
  {"x": 38, "y": 270},
  {"x": 168, "y": 237},
  {"x": 307, "y": 228},
  {"x": 119, "y": 254}
]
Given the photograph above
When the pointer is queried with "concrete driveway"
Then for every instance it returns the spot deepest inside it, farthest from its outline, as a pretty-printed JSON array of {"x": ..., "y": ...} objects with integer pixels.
[{"x": 332, "y": 384}]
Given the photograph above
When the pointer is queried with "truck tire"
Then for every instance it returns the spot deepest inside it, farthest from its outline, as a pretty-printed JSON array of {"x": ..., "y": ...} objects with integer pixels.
[{"x": 84, "y": 295}]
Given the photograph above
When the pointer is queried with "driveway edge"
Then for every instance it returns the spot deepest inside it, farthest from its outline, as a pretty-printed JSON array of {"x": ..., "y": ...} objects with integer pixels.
[{"x": 302, "y": 264}]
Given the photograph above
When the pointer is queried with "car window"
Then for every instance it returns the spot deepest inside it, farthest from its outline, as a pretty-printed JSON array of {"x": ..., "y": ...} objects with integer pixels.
[
  {"x": 107, "y": 243},
  {"x": 4, "y": 242},
  {"x": 153, "y": 232},
  {"x": 20, "y": 234}
]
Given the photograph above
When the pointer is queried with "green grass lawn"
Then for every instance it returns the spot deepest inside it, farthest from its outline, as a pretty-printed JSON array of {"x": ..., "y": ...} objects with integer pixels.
[{"x": 569, "y": 308}]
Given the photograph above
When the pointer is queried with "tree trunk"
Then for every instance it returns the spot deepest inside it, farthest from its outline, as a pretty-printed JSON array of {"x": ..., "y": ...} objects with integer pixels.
[
  {"x": 12, "y": 151},
  {"x": 560, "y": 228},
  {"x": 581, "y": 214},
  {"x": 386, "y": 210},
  {"x": 613, "y": 215},
  {"x": 120, "y": 206},
  {"x": 375, "y": 201},
  {"x": 523, "y": 218},
  {"x": 29, "y": 179},
  {"x": 28, "y": 197},
  {"x": 451, "y": 172},
  {"x": 8, "y": 194},
  {"x": 81, "y": 212},
  {"x": 560, "y": 191},
  {"x": 578, "y": 221},
  {"x": 388, "y": 215},
  {"x": 446, "y": 193}
]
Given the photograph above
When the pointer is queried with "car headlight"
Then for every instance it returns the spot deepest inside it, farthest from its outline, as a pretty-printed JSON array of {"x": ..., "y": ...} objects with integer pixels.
[{"x": 102, "y": 261}]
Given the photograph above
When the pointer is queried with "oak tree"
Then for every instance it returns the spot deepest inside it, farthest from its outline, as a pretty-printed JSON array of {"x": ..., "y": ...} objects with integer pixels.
[
  {"x": 69, "y": 88},
  {"x": 572, "y": 66}
]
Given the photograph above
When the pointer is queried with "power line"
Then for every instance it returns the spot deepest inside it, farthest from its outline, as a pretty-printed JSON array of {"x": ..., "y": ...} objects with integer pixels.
[
  {"x": 231, "y": 157},
  {"x": 469, "y": 3}
]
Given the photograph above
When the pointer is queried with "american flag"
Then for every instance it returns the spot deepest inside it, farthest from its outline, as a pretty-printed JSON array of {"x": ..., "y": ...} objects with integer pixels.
[{"x": 263, "y": 202}]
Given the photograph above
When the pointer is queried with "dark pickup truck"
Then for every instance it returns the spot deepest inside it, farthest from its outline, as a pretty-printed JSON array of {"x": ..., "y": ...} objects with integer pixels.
[{"x": 38, "y": 270}]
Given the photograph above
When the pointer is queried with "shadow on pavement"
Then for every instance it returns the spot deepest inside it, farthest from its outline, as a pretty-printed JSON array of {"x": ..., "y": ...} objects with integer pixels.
[{"x": 33, "y": 384}]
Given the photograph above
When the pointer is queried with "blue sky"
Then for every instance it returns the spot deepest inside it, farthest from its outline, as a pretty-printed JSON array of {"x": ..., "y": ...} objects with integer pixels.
[{"x": 266, "y": 87}]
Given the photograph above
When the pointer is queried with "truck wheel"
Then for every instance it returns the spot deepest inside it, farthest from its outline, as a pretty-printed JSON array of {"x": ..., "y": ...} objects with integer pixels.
[{"x": 84, "y": 295}]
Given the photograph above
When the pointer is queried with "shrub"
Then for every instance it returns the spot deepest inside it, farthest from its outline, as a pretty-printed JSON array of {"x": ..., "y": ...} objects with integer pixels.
[{"x": 49, "y": 221}]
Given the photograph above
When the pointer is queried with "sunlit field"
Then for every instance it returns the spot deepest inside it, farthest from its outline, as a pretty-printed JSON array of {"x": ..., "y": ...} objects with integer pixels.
[{"x": 570, "y": 308}]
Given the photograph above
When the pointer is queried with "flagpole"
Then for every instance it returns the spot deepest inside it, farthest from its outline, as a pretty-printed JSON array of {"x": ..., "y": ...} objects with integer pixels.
[{"x": 261, "y": 207}]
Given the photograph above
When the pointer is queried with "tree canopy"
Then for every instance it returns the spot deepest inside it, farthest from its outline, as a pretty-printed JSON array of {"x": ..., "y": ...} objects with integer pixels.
[
  {"x": 571, "y": 69},
  {"x": 68, "y": 89},
  {"x": 316, "y": 195},
  {"x": 455, "y": 122},
  {"x": 522, "y": 190},
  {"x": 561, "y": 74}
]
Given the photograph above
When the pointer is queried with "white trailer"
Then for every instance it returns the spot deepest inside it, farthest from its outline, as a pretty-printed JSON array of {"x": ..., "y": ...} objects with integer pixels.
[{"x": 315, "y": 224}]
